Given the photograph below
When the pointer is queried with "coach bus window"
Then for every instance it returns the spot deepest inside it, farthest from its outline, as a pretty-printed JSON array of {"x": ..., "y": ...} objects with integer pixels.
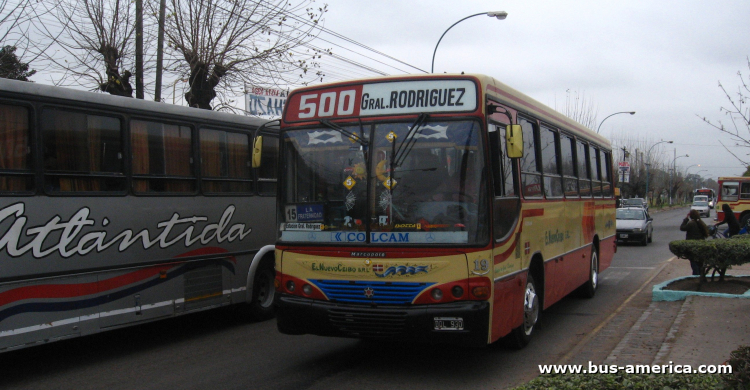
[
  {"x": 15, "y": 156},
  {"x": 162, "y": 160},
  {"x": 605, "y": 162},
  {"x": 270, "y": 161},
  {"x": 570, "y": 183},
  {"x": 582, "y": 158},
  {"x": 225, "y": 161},
  {"x": 530, "y": 177},
  {"x": 81, "y": 152},
  {"x": 548, "y": 146}
]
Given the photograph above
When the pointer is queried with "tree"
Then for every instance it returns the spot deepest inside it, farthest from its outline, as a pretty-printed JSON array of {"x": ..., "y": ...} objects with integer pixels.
[
  {"x": 96, "y": 43},
  {"x": 580, "y": 109},
  {"x": 11, "y": 66},
  {"x": 234, "y": 42},
  {"x": 738, "y": 114}
]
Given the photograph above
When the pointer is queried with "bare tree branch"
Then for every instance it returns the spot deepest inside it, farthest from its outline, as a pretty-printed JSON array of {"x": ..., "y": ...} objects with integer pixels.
[{"x": 221, "y": 45}]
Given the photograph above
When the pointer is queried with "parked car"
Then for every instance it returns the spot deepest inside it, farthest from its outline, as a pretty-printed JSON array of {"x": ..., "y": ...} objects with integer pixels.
[
  {"x": 633, "y": 224},
  {"x": 634, "y": 202},
  {"x": 702, "y": 207}
]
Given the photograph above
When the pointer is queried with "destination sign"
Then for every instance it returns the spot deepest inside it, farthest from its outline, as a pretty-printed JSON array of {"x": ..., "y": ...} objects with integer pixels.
[{"x": 388, "y": 98}]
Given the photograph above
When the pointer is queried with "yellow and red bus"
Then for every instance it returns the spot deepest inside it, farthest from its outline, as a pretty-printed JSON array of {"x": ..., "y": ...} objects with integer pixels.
[
  {"x": 438, "y": 208},
  {"x": 734, "y": 191}
]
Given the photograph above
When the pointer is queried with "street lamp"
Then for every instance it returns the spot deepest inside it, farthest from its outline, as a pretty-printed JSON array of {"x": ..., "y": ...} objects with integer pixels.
[
  {"x": 500, "y": 15},
  {"x": 648, "y": 158},
  {"x": 621, "y": 112},
  {"x": 674, "y": 171}
]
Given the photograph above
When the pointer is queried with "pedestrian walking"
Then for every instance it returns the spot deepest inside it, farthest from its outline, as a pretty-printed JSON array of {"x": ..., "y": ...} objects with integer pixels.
[{"x": 695, "y": 229}]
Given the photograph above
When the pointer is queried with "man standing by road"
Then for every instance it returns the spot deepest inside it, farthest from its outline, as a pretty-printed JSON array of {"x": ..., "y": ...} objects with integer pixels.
[{"x": 695, "y": 229}]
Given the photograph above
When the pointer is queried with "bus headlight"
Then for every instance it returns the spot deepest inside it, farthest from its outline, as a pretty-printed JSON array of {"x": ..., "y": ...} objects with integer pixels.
[
  {"x": 307, "y": 289},
  {"x": 437, "y": 294},
  {"x": 290, "y": 285},
  {"x": 457, "y": 291}
]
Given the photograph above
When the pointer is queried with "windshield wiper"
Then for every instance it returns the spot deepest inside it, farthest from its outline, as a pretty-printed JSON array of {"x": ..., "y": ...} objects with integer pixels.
[
  {"x": 345, "y": 132},
  {"x": 408, "y": 143}
]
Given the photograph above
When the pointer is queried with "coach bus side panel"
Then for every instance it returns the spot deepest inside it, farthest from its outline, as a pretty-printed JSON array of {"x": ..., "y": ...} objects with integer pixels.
[{"x": 30, "y": 313}]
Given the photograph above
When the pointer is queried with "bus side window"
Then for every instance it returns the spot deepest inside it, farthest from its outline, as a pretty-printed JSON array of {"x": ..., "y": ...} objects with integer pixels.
[
  {"x": 584, "y": 176},
  {"x": 570, "y": 183},
  {"x": 605, "y": 166},
  {"x": 267, "y": 172},
  {"x": 548, "y": 146},
  {"x": 745, "y": 191},
  {"x": 82, "y": 152},
  {"x": 531, "y": 178},
  {"x": 16, "y": 173},
  {"x": 502, "y": 166}
]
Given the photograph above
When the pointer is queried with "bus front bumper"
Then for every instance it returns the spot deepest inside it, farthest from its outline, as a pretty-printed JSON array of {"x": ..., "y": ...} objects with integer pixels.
[{"x": 462, "y": 323}]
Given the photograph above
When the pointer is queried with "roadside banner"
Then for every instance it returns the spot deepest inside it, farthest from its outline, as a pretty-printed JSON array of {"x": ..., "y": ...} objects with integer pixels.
[{"x": 265, "y": 102}]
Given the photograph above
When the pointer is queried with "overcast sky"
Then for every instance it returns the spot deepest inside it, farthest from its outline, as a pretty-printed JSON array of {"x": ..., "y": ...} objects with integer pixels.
[{"x": 662, "y": 59}]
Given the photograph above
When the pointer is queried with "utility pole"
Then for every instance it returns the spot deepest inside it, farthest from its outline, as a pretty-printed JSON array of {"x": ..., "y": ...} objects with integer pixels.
[
  {"x": 139, "y": 49},
  {"x": 160, "y": 51}
]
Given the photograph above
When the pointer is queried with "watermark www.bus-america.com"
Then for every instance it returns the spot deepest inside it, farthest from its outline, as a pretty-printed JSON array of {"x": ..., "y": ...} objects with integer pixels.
[{"x": 670, "y": 368}]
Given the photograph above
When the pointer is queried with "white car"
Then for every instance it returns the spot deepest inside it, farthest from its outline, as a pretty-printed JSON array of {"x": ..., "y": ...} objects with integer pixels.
[{"x": 702, "y": 207}]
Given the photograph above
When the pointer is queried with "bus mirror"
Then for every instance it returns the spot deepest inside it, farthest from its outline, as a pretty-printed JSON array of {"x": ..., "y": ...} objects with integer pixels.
[
  {"x": 257, "y": 151},
  {"x": 514, "y": 141}
]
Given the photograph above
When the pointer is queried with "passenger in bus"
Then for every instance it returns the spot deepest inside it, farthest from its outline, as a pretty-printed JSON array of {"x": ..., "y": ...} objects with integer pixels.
[
  {"x": 695, "y": 229},
  {"x": 730, "y": 220}
]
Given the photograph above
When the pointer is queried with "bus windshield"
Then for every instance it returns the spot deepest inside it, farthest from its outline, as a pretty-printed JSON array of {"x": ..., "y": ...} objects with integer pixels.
[{"x": 394, "y": 183}]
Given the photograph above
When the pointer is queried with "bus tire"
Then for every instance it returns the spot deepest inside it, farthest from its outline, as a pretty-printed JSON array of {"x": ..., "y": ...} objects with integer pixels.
[
  {"x": 588, "y": 289},
  {"x": 264, "y": 292},
  {"x": 521, "y": 336}
]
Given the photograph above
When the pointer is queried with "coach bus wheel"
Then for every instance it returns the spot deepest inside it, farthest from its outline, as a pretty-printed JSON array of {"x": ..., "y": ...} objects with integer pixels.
[
  {"x": 521, "y": 336},
  {"x": 261, "y": 306},
  {"x": 588, "y": 290}
]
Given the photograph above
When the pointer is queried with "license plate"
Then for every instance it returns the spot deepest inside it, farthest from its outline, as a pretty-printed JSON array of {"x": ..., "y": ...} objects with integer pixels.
[
  {"x": 449, "y": 323},
  {"x": 623, "y": 236}
]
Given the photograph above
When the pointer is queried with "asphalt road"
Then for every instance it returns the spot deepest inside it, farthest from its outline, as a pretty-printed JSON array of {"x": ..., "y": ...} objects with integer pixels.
[{"x": 219, "y": 349}]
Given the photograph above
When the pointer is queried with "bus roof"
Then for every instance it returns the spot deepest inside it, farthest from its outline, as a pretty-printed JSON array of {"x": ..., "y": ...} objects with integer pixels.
[
  {"x": 92, "y": 100},
  {"x": 491, "y": 87}
]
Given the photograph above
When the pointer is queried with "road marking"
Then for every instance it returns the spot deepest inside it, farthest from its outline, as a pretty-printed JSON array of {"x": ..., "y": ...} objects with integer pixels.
[
  {"x": 596, "y": 330},
  {"x": 631, "y": 267}
]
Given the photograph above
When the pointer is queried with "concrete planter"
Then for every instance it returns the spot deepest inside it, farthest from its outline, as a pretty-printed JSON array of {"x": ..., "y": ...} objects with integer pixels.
[{"x": 658, "y": 293}]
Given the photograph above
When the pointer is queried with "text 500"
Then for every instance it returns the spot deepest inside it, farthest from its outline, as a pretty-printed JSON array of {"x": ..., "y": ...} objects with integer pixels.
[{"x": 329, "y": 103}]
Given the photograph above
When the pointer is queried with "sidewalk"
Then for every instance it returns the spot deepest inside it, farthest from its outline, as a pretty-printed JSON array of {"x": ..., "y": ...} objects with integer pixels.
[{"x": 699, "y": 330}]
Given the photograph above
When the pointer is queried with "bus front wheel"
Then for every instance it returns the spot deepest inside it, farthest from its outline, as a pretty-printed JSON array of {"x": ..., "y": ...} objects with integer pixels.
[
  {"x": 521, "y": 336},
  {"x": 588, "y": 289},
  {"x": 261, "y": 306}
]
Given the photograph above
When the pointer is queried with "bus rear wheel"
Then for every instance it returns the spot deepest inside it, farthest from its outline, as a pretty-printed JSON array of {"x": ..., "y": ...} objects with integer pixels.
[
  {"x": 588, "y": 289},
  {"x": 521, "y": 336}
]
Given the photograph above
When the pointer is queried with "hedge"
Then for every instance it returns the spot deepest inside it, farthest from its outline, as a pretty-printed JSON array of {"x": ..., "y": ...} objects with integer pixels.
[{"x": 717, "y": 255}]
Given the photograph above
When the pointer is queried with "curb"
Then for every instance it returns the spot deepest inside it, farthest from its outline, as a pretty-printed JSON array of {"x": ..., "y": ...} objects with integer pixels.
[{"x": 658, "y": 294}]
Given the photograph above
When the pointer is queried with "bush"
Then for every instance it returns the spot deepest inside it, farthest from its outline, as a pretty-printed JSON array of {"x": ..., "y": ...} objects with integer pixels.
[
  {"x": 624, "y": 381},
  {"x": 718, "y": 255},
  {"x": 739, "y": 359}
]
